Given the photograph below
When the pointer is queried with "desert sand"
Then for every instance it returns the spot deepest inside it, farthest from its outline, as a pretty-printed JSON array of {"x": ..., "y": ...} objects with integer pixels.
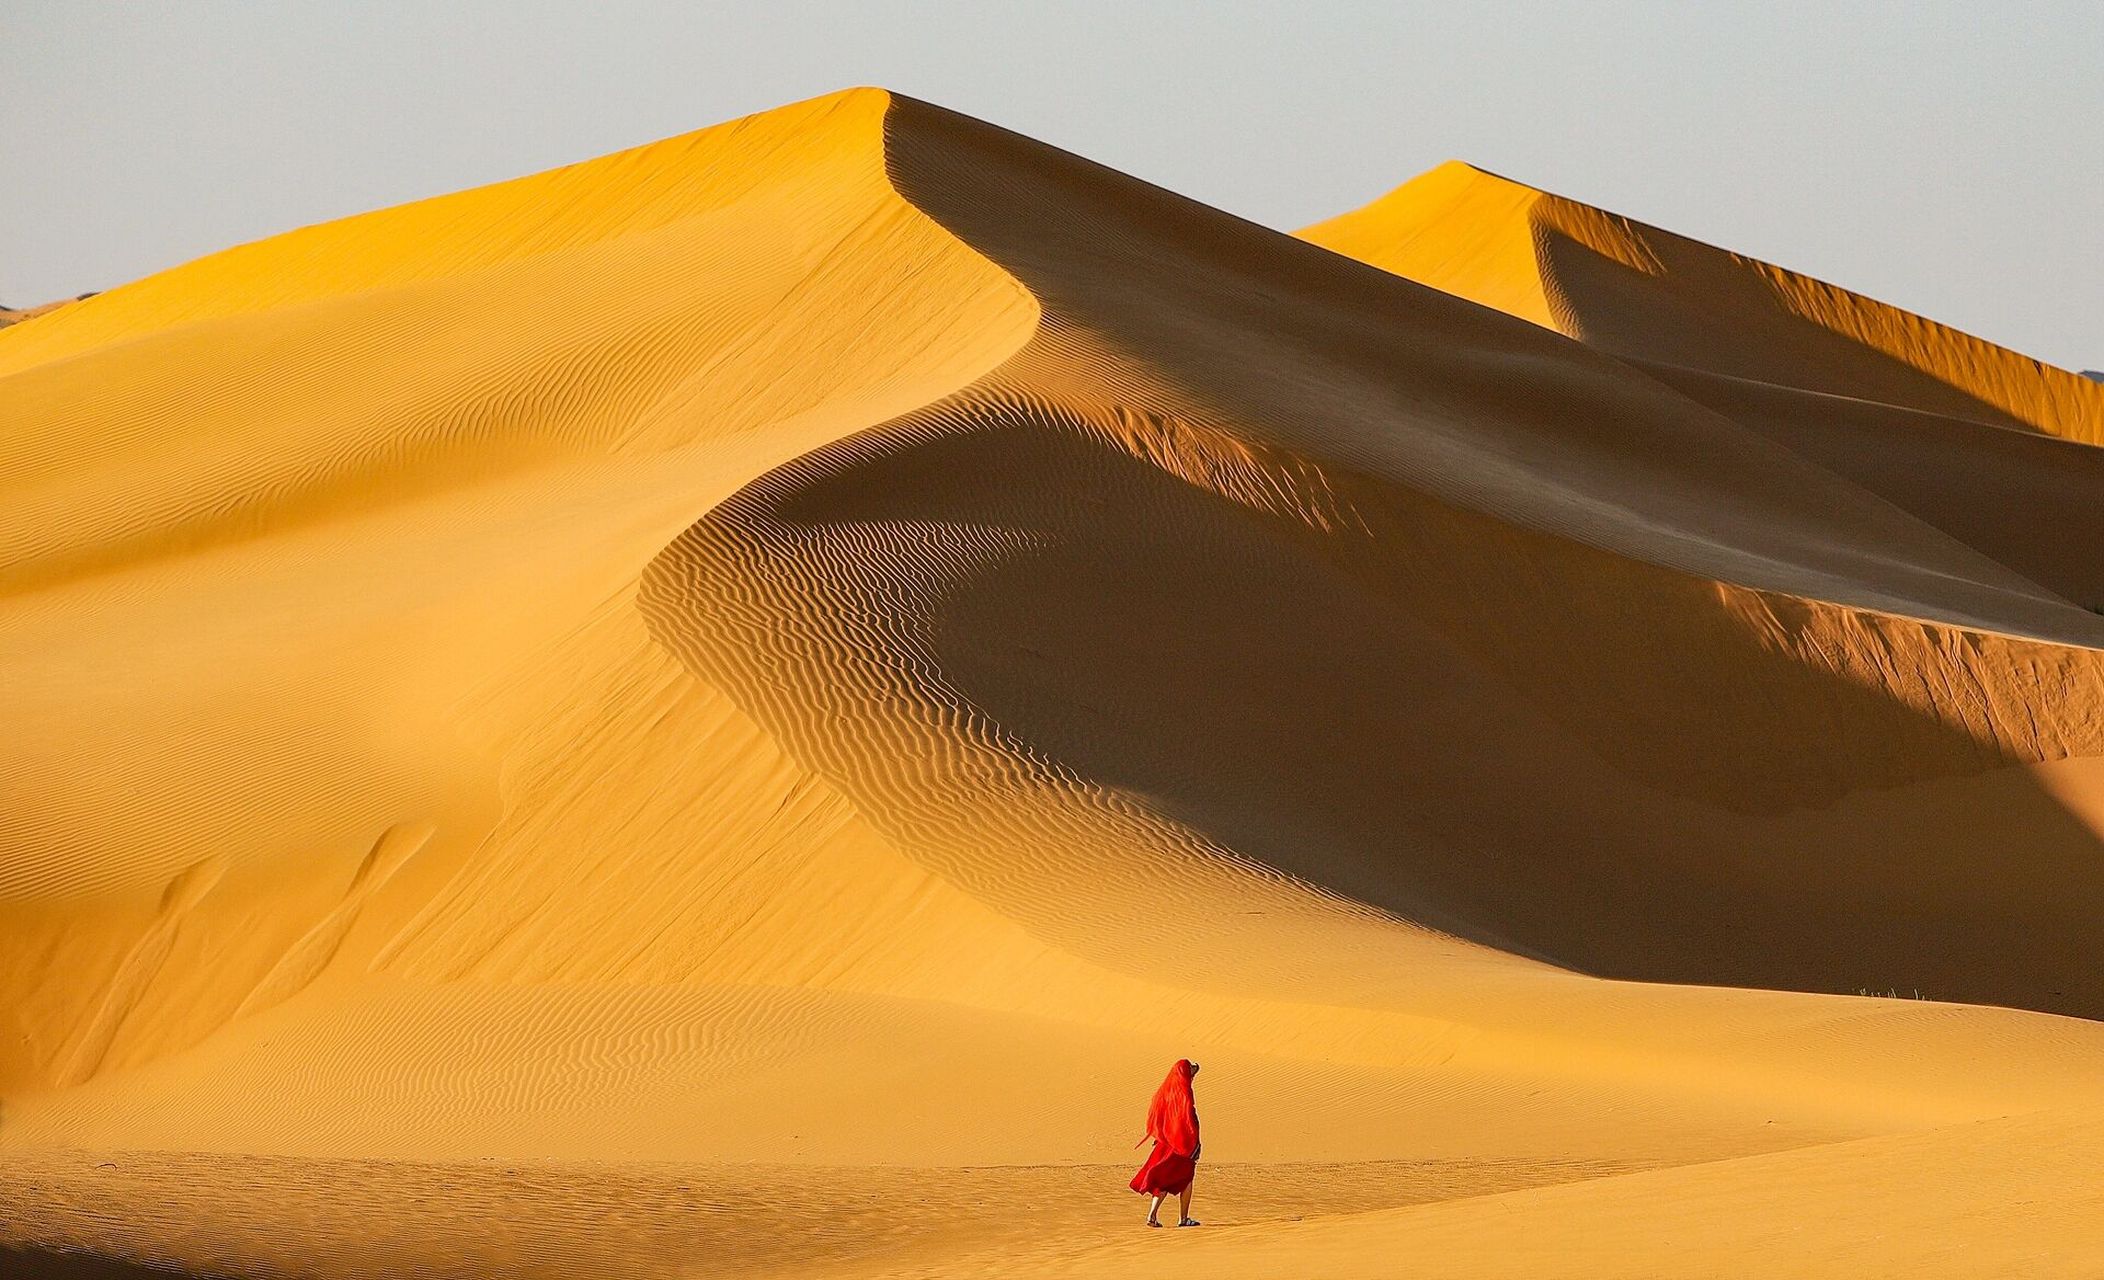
[
  {"x": 15, "y": 315},
  {"x": 728, "y": 710}
]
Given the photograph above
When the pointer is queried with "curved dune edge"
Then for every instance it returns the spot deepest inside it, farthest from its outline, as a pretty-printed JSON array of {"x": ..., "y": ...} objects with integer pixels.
[{"x": 881, "y": 633}]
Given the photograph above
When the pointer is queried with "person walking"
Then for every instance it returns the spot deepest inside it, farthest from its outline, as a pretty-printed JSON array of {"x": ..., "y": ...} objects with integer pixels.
[{"x": 1172, "y": 1121}]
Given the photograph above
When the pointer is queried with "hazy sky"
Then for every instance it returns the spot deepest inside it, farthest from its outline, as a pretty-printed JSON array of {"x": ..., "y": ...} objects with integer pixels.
[{"x": 1948, "y": 158}]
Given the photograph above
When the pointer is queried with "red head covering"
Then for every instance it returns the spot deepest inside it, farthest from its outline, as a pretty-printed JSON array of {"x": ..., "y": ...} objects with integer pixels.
[{"x": 1172, "y": 1118}]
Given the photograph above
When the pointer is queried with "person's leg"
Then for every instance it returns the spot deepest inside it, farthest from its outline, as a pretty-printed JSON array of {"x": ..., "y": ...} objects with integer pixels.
[
  {"x": 1183, "y": 1208},
  {"x": 1154, "y": 1209}
]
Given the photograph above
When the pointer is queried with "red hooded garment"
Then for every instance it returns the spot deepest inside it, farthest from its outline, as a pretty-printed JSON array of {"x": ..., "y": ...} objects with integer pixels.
[{"x": 1172, "y": 1121}]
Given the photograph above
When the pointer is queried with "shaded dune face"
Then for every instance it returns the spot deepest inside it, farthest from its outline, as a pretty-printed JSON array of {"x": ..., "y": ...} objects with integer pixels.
[
  {"x": 2022, "y": 497},
  {"x": 1134, "y": 571},
  {"x": 1385, "y": 710},
  {"x": 1649, "y": 295}
]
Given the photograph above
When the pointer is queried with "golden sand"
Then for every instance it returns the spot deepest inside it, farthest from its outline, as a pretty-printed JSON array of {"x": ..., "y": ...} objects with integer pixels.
[{"x": 729, "y": 709}]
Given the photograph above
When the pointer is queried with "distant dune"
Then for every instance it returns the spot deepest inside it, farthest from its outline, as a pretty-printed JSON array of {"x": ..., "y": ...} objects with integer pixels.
[
  {"x": 1652, "y": 296},
  {"x": 15, "y": 315},
  {"x": 735, "y": 704}
]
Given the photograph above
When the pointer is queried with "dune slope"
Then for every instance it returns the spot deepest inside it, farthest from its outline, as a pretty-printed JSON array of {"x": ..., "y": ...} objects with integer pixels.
[{"x": 847, "y": 640}]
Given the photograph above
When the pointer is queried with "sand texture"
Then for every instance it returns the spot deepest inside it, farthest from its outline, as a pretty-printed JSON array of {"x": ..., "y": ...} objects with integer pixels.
[{"x": 728, "y": 710}]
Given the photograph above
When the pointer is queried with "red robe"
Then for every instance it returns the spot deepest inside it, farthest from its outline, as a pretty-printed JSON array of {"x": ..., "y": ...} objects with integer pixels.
[{"x": 1172, "y": 1121}]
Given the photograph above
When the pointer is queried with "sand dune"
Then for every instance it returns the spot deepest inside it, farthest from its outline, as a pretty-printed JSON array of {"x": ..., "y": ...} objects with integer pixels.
[
  {"x": 1650, "y": 295},
  {"x": 16, "y": 315},
  {"x": 824, "y": 652}
]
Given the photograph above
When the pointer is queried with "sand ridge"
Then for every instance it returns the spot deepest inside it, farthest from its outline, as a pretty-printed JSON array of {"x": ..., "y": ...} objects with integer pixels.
[{"x": 845, "y": 640}]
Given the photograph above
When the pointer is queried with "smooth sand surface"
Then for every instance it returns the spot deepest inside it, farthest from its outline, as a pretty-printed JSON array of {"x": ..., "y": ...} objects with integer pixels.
[{"x": 728, "y": 709}]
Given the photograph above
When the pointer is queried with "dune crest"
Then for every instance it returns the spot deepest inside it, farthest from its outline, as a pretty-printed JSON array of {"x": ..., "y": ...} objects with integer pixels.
[{"x": 842, "y": 642}]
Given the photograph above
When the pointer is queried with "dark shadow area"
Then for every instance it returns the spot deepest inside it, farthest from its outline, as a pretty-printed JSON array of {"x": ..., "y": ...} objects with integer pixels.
[
  {"x": 1533, "y": 745},
  {"x": 21, "y": 1263},
  {"x": 1703, "y": 308},
  {"x": 2031, "y": 501}
]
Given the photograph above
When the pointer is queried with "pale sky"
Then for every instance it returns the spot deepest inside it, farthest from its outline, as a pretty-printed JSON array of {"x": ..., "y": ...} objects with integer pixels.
[{"x": 1944, "y": 157}]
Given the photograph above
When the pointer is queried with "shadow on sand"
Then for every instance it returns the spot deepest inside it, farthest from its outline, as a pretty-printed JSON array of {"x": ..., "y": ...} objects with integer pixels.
[{"x": 61, "y": 1264}]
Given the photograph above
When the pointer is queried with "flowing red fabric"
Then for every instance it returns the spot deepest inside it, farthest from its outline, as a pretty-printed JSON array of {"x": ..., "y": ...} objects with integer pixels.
[{"x": 1172, "y": 1121}]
